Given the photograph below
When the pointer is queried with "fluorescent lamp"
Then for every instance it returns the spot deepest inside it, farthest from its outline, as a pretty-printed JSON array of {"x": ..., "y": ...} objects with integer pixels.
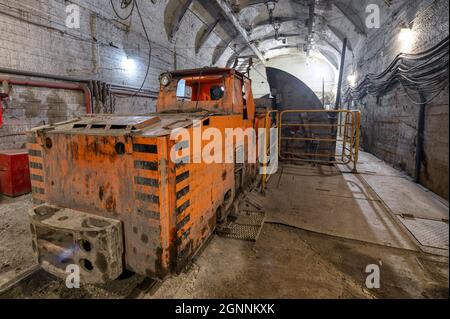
[
  {"x": 128, "y": 65},
  {"x": 406, "y": 38},
  {"x": 351, "y": 79}
]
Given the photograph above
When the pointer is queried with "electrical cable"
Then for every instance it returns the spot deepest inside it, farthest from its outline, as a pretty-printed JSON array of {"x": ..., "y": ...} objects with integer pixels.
[
  {"x": 425, "y": 72},
  {"x": 124, "y": 5}
]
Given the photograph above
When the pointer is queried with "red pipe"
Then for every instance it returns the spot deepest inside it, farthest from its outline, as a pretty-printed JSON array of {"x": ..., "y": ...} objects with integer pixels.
[{"x": 54, "y": 85}]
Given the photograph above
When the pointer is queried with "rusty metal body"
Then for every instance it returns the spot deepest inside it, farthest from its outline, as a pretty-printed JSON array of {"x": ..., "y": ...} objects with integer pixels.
[
  {"x": 294, "y": 144},
  {"x": 118, "y": 168}
]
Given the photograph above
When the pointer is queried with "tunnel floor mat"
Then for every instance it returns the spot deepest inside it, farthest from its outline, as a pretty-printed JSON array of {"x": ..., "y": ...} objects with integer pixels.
[
  {"x": 246, "y": 225},
  {"x": 431, "y": 233}
]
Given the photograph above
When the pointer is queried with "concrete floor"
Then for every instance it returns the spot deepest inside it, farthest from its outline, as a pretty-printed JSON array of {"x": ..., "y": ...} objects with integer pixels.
[
  {"x": 291, "y": 263},
  {"x": 16, "y": 254},
  {"x": 323, "y": 227}
]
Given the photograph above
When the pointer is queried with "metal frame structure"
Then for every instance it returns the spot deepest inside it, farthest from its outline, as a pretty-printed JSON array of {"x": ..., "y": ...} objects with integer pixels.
[{"x": 347, "y": 143}]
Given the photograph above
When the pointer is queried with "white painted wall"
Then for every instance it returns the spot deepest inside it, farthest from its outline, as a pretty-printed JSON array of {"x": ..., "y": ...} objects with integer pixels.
[{"x": 311, "y": 73}]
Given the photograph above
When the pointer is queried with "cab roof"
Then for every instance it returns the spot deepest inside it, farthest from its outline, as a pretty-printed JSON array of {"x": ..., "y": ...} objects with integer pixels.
[
  {"x": 207, "y": 71},
  {"x": 147, "y": 125}
]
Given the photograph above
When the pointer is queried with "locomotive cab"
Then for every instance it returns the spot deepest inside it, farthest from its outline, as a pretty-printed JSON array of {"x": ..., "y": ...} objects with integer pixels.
[
  {"x": 223, "y": 91},
  {"x": 109, "y": 195}
]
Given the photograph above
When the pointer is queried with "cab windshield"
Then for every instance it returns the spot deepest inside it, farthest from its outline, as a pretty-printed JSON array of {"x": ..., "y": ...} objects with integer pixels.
[{"x": 200, "y": 88}]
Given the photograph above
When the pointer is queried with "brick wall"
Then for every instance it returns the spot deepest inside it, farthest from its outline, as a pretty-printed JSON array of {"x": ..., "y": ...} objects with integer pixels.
[{"x": 34, "y": 38}]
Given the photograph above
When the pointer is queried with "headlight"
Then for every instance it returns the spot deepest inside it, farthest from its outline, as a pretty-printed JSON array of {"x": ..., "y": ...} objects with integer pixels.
[{"x": 165, "y": 79}]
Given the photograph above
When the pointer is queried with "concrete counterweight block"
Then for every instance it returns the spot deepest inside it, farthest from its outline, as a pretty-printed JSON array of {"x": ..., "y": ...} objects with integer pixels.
[{"x": 63, "y": 237}]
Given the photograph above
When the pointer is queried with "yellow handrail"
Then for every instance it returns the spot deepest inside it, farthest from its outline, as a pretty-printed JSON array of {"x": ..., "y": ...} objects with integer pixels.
[{"x": 351, "y": 129}]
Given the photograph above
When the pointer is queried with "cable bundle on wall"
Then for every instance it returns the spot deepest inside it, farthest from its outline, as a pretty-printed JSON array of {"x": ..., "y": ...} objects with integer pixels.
[{"x": 425, "y": 73}]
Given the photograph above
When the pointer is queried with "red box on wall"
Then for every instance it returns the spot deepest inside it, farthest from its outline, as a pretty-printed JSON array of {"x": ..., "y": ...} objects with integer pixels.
[{"x": 14, "y": 173}]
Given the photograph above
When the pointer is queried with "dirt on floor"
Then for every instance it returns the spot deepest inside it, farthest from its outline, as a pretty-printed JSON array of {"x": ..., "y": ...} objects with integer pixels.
[
  {"x": 324, "y": 233},
  {"x": 43, "y": 285},
  {"x": 285, "y": 262},
  {"x": 288, "y": 262},
  {"x": 317, "y": 242},
  {"x": 16, "y": 257},
  {"x": 16, "y": 254}
]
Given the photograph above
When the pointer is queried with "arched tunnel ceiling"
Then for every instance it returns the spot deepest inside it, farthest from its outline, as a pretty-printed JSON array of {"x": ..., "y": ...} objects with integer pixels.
[{"x": 264, "y": 29}]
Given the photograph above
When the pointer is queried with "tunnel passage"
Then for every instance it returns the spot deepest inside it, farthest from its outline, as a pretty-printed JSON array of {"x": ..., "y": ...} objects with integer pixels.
[{"x": 290, "y": 93}]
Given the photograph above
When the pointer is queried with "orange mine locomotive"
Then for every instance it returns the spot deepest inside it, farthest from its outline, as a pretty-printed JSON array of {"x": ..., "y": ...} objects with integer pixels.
[{"x": 111, "y": 198}]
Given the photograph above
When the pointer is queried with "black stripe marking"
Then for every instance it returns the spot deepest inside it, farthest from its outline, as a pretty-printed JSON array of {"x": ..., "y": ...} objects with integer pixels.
[
  {"x": 145, "y": 148},
  {"x": 148, "y": 214},
  {"x": 38, "y": 190},
  {"x": 181, "y": 145},
  {"x": 151, "y": 166},
  {"x": 182, "y": 161},
  {"x": 183, "y": 192},
  {"x": 38, "y": 178},
  {"x": 146, "y": 181},
  {"x": 35, "y": 165},
  {"x": 183, "y": 207},
  {"x": 35, "y": 153},
  {"x": 147, "y": 197},
  {"x": 184, "y": 236},
  {"x": 182, "y": 177},
  {"x": 183, "y": 222}
]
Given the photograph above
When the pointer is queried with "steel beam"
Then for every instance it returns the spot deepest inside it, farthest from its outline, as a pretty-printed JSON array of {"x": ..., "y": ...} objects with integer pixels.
[
  {"x": 332, "y": 45},
  {"x": 338, "y": 34},
  {"x": 205, "y": 35},
  {"x": 219, "y": 51},
  {"x": 279, "y": 20},
  {"x": 341, "y": 75},
  {"x": 289, "y": 46},
  {"x": 230, "y": 15},
  {"x": 175, "y": 25},
  {"x": 352, "y": 16},
  {"x": 236, "y": 55}
]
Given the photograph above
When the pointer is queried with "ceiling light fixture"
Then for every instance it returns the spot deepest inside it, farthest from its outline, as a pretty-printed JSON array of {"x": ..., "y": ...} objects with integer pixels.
[
  {"x": 276, "y": 24},
  {"x": 270, "y": 5}
]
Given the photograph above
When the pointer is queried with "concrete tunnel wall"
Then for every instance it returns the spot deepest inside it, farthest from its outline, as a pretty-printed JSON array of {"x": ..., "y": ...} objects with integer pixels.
[
  {"x": 35, "y": 38},
  {"x": 389, "y": 121}
]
